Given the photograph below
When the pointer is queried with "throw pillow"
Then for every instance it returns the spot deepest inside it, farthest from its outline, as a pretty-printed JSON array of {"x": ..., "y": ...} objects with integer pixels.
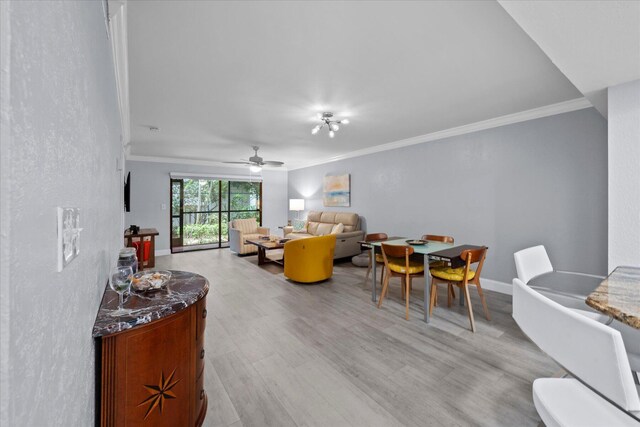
[
  {"x": 299, "y": 225},
  {"x": 337, "y": 229}
]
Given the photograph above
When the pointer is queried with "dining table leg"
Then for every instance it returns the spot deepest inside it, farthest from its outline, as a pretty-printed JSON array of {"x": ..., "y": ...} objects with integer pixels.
[
  {"x": 427, "y": 288},
  {"x": 373, "y": 273}
]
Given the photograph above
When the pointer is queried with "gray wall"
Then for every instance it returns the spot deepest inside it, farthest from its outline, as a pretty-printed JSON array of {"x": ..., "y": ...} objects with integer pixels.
[
  {"x": 60, "y": 140},
  {"x": 538, "y": 182},
  {"x": 150, "y": 190}
]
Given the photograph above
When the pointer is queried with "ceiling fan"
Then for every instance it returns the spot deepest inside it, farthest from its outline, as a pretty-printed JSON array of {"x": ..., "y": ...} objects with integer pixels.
[{"x": 256, "y": 162}]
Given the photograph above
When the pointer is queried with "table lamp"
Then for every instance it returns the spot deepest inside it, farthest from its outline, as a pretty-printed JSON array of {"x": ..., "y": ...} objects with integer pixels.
[{"x": 296, "y": 205}]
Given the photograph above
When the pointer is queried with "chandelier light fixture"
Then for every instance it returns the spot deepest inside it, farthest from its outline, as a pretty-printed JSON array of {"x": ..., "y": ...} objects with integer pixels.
[{"x": 332, "y": 125}]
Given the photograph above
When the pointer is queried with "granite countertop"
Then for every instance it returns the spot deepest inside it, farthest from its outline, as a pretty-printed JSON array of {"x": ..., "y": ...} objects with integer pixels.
[
  {"x": 183, "y": 290},
  {"x": 619, "y": 296}
]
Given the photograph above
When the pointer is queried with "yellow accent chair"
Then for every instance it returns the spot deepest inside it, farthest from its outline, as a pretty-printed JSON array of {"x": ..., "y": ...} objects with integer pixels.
[
  {"x": 309, "y": 260},
  {"x": 397, "y": 263},
  {"x": 462, "y": 277}
]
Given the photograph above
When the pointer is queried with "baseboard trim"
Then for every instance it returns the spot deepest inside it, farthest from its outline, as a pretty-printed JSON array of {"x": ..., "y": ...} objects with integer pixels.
[
  {"x": 494, "y": 285},
  {"x": 162, "y": 252}
]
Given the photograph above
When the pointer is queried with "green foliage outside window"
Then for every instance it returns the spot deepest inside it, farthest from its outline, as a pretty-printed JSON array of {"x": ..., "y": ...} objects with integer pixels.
[{"x": 205, "y": 200}]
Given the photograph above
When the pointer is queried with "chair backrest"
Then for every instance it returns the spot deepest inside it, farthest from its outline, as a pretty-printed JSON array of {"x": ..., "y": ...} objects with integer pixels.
[
  {"x": 309, "y": 245},
  {"x": 472, "y": 256},
  {"x": 589, "y": 350},
  {"x": 248, "y": 225},
  {"x": 309, "y": 259},
  {"x": 396, "y": 251},
  {"x": 436, "y": 238},
  {"x": 532, "y": 262},
  {"x": 375, "y": 236}
]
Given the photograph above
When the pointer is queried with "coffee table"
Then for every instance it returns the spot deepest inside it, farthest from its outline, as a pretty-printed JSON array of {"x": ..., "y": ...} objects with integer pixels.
[{"x": 263, "y": 247}]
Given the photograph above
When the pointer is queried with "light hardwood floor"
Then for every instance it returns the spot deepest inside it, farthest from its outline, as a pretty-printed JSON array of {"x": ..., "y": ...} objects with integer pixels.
[{"x": 280, "y": 354}]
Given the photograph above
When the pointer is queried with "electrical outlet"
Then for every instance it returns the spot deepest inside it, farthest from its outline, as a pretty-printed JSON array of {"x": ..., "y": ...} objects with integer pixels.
[{"x": 164, "y": 207}]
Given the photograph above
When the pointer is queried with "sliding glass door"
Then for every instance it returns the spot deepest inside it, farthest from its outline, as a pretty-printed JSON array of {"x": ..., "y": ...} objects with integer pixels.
[{"x": 202, "y": 208}]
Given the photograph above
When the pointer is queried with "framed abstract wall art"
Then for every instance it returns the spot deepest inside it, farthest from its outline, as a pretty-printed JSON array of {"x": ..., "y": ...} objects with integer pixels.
[{"x": 337, "y": 190}]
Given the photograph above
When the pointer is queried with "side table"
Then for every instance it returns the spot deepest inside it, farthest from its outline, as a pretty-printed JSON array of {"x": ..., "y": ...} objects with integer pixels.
[{"x": 143, "y": 236}]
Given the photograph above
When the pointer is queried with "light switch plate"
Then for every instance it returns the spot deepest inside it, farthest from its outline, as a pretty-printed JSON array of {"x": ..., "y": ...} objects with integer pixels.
[{"x": 68, "y": 235}]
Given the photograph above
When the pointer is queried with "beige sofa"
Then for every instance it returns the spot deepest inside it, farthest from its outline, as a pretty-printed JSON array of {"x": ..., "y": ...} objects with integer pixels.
[
  {"x": 242, "y": 229},
  {"x": 321, "y": 223}
]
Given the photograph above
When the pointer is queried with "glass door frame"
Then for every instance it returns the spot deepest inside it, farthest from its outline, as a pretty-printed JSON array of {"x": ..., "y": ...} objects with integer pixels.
[{"x": 179, "y": 242}]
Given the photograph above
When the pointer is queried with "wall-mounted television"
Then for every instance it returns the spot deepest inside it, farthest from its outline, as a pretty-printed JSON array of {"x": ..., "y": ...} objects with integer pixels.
[{"x": 127, "y": 193}]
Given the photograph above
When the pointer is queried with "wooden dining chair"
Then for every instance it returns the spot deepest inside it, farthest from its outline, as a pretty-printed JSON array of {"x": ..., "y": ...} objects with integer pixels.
[
  {"x": 451, "y": 293},
  {"x": 436, "y": 238},
  {"x": 372, "y": 238},
  {"x": 398, "y": 263},
  {"x": 462, "y": 277}
]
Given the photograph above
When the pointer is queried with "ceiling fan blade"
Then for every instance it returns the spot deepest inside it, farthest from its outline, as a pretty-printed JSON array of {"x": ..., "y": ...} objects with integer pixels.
[
  {"x": 239, "y": 163},
  {"x": 272, "y": 163}
]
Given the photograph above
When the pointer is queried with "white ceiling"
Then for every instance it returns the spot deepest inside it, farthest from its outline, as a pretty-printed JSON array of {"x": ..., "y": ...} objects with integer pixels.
[
  {"x": 218, "y": 77},
  {"x": 596, "y": 44}
]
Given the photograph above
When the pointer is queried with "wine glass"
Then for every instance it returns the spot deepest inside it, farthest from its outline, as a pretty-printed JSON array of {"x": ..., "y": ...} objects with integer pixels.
[{"x": 120, "y": 281}]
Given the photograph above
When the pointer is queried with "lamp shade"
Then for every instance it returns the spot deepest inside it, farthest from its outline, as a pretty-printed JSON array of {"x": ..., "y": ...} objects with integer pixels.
[{"x": 296, "y": 204}]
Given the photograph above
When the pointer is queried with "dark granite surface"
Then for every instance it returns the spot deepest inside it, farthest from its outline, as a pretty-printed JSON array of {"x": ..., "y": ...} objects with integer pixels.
[
  {"x": 183, "y": 289},
  {"x": 619, "y": 296}
]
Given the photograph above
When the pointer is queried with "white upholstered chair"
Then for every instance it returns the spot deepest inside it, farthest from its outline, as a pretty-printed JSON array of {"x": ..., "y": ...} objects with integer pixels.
[
  {"x": 242, "y": 229},
  {"x": 532, "y": 262},
  {"x": 592, "y": 352}
]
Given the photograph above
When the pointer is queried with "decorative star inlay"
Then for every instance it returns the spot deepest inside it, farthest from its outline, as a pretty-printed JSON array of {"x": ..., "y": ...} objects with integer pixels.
[{"x": 159, "y": 393}]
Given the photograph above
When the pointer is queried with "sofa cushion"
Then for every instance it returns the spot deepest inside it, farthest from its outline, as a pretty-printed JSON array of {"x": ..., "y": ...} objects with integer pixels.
[
  {"x": 399, "y": 265},
  {"x": 350, "y": 220},
  {"x": 453, "y": 274},
  {"x": 312, "y": 227},
  {"x": 299, "y": 235},
  {"x": 324, "y": 229},
  {"x": 314, "y": 216},
  {"x": 337, "y": 229}
]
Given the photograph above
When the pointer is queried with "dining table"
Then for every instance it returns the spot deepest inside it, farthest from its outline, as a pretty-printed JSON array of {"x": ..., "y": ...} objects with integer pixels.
[
  {"x": 618, "y": 296},
  {"x": 569, "y": 289},
  {"x": 428, "y": 250}
]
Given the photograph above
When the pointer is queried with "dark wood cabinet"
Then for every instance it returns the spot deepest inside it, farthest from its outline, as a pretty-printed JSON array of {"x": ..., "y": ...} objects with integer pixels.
[{"x": 152, "y": 374}]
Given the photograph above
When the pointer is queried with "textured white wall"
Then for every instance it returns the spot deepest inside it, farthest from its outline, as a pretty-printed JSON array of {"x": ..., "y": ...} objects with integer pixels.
[
  {"x": 150, "y": 189},
  {"x": 624, "y": 174},
  {"x": 60, "y": 140}
]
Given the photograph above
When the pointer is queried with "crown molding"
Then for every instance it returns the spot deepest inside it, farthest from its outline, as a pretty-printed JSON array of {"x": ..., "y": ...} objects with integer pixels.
[
  {"x": 535, "y": 113},
  {"x": 155, "y": 159}
]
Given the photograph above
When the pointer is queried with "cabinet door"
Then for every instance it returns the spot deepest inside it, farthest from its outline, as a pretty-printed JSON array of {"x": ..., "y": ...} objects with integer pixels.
[{"x": 154, "y": 373}]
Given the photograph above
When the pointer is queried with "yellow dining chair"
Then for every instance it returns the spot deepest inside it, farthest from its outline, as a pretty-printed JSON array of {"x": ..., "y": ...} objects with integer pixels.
[
  {"x": 462, "y": 277},
  {"x": 451, "y": 293},
  {"x": 310, "y": 259},
  {"x": 372, "y": 238},
  {"x": 397, "y": 263}
]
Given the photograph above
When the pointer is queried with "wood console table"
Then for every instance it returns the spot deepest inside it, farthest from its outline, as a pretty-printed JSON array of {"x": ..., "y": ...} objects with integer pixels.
[
  {"x": 150, "y": 235},
  {"x": 150, "y": 369}
]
